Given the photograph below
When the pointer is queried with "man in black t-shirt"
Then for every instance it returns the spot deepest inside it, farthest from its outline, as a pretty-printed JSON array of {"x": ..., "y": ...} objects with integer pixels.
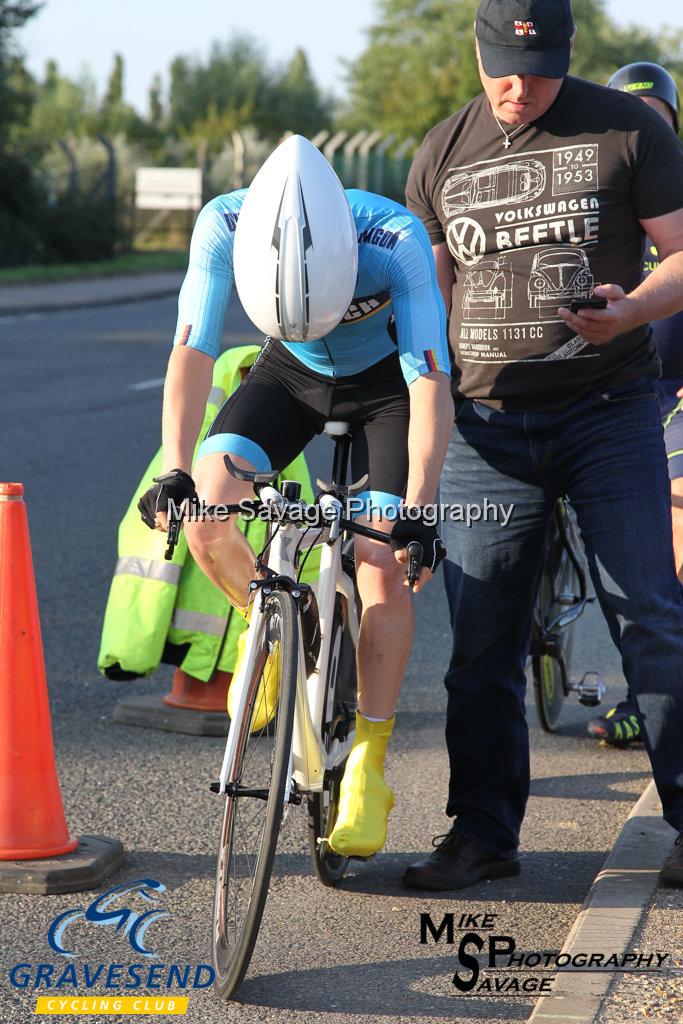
[{"x": 537, "y": 196}]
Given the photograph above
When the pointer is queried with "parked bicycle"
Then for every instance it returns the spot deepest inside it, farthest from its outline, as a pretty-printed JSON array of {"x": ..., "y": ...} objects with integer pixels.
[
  {"x": 562, "y": 598},
  {"x": 275, "y": 756}
]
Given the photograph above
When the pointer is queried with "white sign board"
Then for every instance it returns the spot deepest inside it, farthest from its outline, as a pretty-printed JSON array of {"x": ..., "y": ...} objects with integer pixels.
[{"x": 168, "y": 188}]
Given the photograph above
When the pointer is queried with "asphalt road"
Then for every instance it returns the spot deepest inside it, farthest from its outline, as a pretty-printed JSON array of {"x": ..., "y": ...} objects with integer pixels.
[{"x": 78, "y": 432}]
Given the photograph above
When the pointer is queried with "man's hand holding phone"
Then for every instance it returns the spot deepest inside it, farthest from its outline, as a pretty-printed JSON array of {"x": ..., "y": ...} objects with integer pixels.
[{"x": 608, "y": 313}]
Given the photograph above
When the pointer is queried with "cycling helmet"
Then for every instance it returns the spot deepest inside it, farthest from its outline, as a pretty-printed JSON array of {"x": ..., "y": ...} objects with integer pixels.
[
  {"x": 647, "y": 79},
  {"x": 296, "y": 251}
]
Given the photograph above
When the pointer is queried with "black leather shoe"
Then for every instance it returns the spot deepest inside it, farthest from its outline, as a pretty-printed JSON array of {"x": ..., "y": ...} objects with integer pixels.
[
  {"x": 457, "y": 863},
  {"x": 672, "y": 872}
]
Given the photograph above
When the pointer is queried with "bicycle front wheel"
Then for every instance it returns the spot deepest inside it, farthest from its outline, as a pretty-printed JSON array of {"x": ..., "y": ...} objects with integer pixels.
[{"x": 255, "y": 800}]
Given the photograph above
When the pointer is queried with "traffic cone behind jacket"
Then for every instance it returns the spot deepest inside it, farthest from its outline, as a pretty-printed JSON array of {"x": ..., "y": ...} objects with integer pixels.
[
  {"x": 195, "y": 695},
  {"x": 32, "y": 822}
]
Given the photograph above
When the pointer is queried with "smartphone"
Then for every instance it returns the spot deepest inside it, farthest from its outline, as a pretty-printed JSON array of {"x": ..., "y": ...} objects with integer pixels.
[{"x": 593, "y": 303}]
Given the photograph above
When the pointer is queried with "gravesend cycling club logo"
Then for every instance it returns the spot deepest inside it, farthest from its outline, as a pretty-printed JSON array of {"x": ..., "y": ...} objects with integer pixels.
[
  {"x": 466, "y": 240},
  {"x": 124, "y": 915},
  {"x": 104, "y": 911}
]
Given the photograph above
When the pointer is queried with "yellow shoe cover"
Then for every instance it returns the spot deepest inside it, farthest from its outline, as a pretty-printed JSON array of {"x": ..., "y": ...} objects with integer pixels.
[
  {"x": 365, "y": 800},
  {"x": 268, "y": 691}
]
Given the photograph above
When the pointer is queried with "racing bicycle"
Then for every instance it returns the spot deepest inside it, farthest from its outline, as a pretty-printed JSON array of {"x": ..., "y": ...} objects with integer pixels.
[
  {"x": 294, "y": 720},
  {"x": 562, "y": 598}
]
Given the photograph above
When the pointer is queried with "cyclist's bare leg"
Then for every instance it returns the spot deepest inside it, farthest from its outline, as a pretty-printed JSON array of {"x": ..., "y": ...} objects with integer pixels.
[
  {"x": 677, "y": 519},
  {"x": 386, "y": 632},
  {"x": 219, "y": 548}
]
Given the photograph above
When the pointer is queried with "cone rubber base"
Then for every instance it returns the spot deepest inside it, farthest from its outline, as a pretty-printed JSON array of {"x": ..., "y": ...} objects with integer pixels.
[
  {"x": 93, "y": 860},
  {"x": 150, "y": 712}
]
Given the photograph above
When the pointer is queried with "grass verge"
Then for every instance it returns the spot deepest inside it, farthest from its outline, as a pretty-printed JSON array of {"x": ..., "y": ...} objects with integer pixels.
[{"x": 129, "y": 263}]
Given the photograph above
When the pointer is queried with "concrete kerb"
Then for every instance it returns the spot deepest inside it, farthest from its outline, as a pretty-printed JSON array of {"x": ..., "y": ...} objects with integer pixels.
[
  {"x": 84, "y": 294},
  {"x": 611, "y": 913}
]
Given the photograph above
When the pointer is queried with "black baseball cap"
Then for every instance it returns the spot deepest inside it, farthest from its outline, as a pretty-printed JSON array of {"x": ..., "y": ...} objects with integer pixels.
[{"x": 525, "y": 37}]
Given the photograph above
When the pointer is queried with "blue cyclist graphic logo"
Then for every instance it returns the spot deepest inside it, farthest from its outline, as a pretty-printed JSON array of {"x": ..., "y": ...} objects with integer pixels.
[{"x": 104, "y": 911}]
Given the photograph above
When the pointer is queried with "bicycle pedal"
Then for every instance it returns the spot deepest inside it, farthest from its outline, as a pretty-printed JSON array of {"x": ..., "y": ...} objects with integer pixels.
[{"x": 590, "y": 689}]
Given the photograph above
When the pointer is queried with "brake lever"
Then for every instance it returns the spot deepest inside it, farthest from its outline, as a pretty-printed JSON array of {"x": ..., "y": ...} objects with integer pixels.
[
  {"x": 172, "y": 534},
  {"x": 414, "y": 562}
]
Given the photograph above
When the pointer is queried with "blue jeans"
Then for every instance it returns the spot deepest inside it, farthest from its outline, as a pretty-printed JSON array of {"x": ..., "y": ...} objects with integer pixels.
[{"x": 607, "y": 454}]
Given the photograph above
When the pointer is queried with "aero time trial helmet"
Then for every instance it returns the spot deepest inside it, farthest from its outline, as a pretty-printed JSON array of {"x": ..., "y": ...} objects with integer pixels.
[
  {"x": 296, "y": 251},
  {"x": 646, "y": 79}
]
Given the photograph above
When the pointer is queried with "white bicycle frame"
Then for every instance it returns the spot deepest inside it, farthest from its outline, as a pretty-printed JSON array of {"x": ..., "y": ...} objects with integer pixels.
[{"x": 309, "y": 760}]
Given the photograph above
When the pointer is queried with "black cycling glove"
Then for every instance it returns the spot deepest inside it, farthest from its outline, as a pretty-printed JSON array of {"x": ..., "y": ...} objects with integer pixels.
[
  {"x": 406, "y": 530},
  {"x": 175, "y": 486}
]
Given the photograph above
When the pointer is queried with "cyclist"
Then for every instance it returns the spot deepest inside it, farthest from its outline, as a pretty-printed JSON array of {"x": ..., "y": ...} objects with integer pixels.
[
  {"x": 395, "y": 394},
  {"x": 620, "y": 726}
]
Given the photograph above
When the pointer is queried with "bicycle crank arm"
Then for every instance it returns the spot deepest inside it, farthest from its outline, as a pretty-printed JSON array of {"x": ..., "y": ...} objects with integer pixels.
[
  {"x": 233, "y": 789},
  {"x": 590, "y": 689}
]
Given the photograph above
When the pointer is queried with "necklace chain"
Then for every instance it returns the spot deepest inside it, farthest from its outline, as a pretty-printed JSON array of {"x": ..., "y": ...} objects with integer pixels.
[{"x": 509, "y": 136}]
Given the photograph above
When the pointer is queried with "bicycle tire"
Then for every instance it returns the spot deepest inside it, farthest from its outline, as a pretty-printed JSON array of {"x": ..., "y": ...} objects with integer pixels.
[
  {"x": 549, "y": 672},
  {"x": 322, "y": 807},
  {"x": 261, "y": 762}
]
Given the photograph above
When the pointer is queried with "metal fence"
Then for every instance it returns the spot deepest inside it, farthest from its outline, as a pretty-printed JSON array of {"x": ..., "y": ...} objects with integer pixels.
[{"x": 106, "y": 168}]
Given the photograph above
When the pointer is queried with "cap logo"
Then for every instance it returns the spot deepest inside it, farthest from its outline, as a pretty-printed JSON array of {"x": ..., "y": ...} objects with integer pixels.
[
  {"x": 638, "y": 86},
  {"x": 525, "y": 28}
]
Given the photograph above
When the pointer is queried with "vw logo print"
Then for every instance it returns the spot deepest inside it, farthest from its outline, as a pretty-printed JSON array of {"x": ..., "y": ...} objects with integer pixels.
[{"x": 466, "y": 240}]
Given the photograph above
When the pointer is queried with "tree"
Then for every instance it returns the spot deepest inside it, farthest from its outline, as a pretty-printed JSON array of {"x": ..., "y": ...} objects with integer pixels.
[
  {"x": 210, "y": 100},
  {"x": 298, "y": 105},
  {"x": 236, "y": 88},
  {"x": 155, "y": 106},
  {"x": 15, "y": 96},
  {"x": 116, "y": 117},
  {"x": 113, "y": 97},
  {"x": 61, "y": 107},
  {"x": 419, "y": 65}
]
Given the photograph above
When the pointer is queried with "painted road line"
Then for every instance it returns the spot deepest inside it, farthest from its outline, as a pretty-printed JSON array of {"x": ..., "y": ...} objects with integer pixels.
[{"x": 144, "y": 385}]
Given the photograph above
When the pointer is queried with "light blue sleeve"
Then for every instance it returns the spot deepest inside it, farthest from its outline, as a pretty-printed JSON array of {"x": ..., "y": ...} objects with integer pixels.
[
  {"x": 205, "y": 293},
  {"x": 417, "y": 302}
]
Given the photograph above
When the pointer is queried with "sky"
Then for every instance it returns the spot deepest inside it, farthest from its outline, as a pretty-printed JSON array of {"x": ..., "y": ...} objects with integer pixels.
[{"x": 149, "y": 33}]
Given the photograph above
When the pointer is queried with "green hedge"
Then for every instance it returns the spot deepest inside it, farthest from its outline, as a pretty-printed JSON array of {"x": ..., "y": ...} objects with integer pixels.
[{"x": 35, "y": 230}]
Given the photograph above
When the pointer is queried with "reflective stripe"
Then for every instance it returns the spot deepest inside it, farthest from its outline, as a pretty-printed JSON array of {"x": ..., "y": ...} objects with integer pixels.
[
  {"x": 197, "y": 622},
  {"x": 150, "y": 568},
  {"x": 216, "y": 396}
]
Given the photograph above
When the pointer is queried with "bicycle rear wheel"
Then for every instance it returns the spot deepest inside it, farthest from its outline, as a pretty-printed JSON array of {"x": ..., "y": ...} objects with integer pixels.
[
  {"x": 255, "y": 801},
  {"x": 559, "y": 584},
  {"x": 338, "y": 718}
]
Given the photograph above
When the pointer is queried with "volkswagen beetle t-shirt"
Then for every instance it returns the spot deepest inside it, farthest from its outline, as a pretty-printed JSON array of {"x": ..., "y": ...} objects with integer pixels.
[{"x": 535, "y": 225}]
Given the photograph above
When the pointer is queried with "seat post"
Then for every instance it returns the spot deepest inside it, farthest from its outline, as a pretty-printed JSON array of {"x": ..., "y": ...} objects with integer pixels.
[
  {"x": 339, "y": 431},
  {"x": 340, "y": 463}
]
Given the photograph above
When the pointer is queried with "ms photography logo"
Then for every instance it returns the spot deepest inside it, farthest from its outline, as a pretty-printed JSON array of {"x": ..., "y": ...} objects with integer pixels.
[
  {"x": 523, "y": 972},
  {"x": 124, "y": 913}
]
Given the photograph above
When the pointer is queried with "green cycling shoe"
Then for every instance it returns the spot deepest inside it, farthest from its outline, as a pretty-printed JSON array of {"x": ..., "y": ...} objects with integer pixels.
[{"x": 619, "y": 727}]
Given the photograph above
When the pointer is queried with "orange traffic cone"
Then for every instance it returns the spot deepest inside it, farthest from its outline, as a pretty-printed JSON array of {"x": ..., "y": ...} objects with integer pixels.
[
  {"x": 32, "y": 822},
  {"x": 192, "y": 707},
  {"x": 196, "y": 695}
]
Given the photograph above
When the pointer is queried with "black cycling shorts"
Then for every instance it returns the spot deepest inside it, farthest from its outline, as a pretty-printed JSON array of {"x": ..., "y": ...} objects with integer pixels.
[{"x": 282, "y": 404}]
